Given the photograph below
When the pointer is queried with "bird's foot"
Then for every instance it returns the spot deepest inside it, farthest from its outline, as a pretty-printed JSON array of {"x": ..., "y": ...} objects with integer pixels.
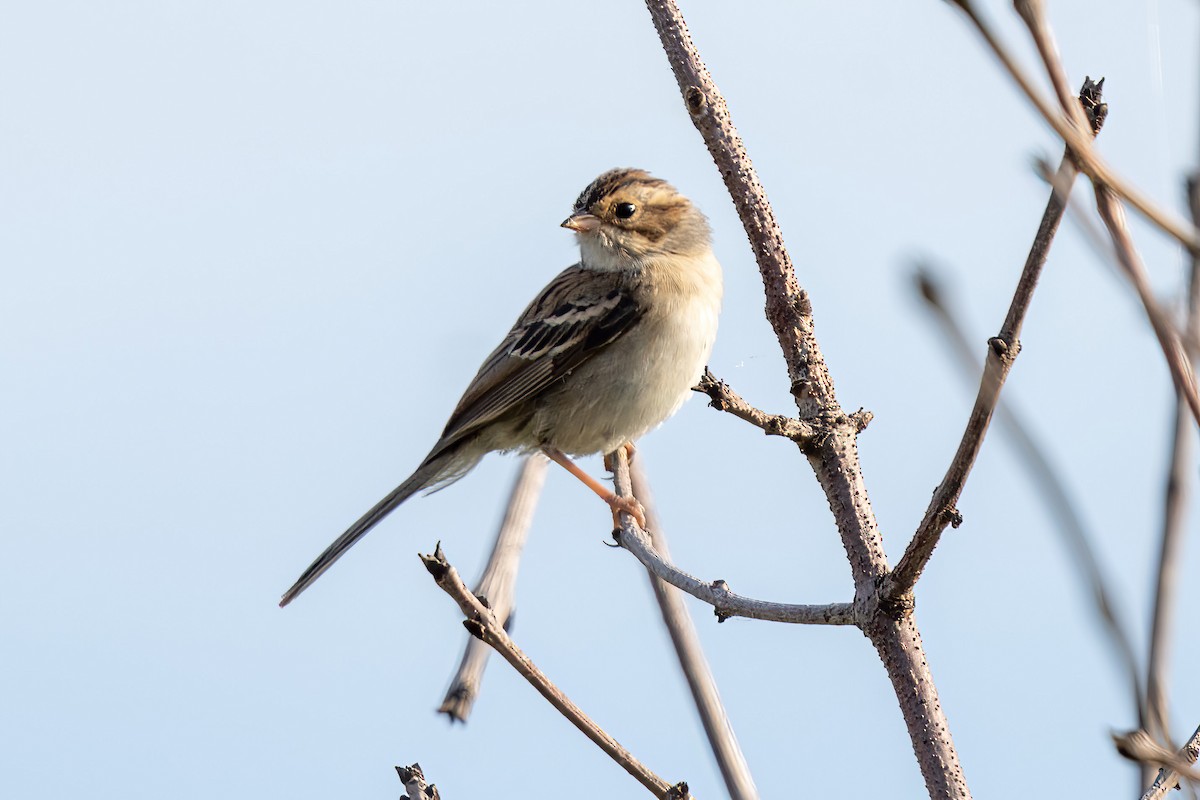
[{"x": 629, "y": 506}]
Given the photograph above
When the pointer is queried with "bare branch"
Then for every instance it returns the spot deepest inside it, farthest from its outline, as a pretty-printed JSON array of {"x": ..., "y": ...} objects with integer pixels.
[
  {"x": 834, "y": 455},
  {"x": 1046, "y": 482},
  {"x": 497, "y": 584},
  {"x": 1033, "y": 12},
  {"x": 482, "y": 623},
  {"x": 1168, "y": 778},
  {"x": 788, "y": 308},
  {"x": 1179, "y": 475},
  {"x": 1080, "y": 143},
  {"x": 725, "y": 603},
  {"x": 1094, "y": 235},
  {"x": 717, "y": 727},
  {"x": 1168, "y": 336},
  {"x": 723, "y": 398},
  {"x": 1001, "y": 355},
  {"x": 1112, "y": 213}
]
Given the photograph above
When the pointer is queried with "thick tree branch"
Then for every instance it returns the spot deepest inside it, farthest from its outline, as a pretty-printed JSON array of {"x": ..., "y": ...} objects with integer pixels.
[
  {"x": 788, "y": 308},
  {"x": 834, "y": 454},
  {"x": 482, "y": 623},
  {"x": 1001, "y": 355}
]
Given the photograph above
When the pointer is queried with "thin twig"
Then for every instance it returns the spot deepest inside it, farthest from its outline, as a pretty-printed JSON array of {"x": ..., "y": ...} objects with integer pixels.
[
  {"x": 834, "y": 456},
  {"x": 1083, "y": 218},
  {"x": 1168, "y": 336},
  {"x": 717, "y": 727},
  {"x": 1001, "y": 355},
  {"x": 1179, "y": 476},
  {"x": 725, "y": 603},
  {"x": 1047, "y": 482},
  {"x": 482, "y": 623},
  {"x": 723, "y": 398},
  {"x": 498, "y": 584},
  {"x": 1033, "y": 12},
  {"x": 1168, "y": 778},
  {"x": 1080, "y": 143}
]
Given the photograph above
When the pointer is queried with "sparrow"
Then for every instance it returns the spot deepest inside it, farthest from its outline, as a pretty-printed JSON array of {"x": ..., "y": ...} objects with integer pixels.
[{"x": 607, "y": 351}]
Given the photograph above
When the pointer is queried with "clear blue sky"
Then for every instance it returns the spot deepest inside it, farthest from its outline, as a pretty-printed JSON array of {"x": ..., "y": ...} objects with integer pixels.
[{"x": 252, "y": 252}]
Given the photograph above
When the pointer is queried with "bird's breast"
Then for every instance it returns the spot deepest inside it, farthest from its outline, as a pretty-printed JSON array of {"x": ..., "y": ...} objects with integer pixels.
[{"x": 643, "y": 377}]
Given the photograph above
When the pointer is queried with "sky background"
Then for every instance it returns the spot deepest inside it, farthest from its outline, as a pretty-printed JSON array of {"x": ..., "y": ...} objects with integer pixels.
[{"x": 252, "y": 252}]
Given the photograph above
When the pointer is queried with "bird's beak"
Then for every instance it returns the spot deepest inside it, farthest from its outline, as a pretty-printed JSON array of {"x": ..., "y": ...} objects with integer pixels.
[{"x": 582, "y": 222}]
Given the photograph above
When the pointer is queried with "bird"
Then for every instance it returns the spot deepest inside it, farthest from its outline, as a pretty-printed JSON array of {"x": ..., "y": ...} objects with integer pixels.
[{"x": 607, "y": 351}]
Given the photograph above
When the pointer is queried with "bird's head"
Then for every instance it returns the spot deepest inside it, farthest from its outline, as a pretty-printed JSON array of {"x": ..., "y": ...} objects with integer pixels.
[{"x": 627, "y": 216}]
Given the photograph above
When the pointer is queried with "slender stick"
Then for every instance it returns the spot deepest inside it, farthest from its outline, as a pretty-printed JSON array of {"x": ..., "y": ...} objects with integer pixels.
[
  {"x": 1169, "y": 339},
  {"x": 834, "y": 455},
  {"x": 1001, "y": 355},
  {"x": 1094, "y": 235},
  {"x": 498, "y": 584},
  {"x": 1179, "y": 475},
  {"x": 725, "y": 603},
  {"x": 717, "y": 727},
  {"x": 1182, "y": 374},
  {"x": 482, "y": 623},
  {"x": 1080, "y": 143},
  {"x": 1047, "y": 483},
  {"x": 1033, "y": 12},
  {"x": 723, "y": 398}
]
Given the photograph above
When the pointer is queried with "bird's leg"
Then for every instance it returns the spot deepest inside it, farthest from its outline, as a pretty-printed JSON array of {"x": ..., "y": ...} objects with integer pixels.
[{"x": 617, "y": 503}]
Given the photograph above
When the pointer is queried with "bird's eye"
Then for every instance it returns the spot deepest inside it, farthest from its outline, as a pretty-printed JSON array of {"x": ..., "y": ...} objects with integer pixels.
[{"x": 624, "y": 210}]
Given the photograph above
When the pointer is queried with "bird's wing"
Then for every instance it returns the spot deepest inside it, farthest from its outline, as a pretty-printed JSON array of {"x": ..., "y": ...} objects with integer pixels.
[{"x": 577, "y": 315}]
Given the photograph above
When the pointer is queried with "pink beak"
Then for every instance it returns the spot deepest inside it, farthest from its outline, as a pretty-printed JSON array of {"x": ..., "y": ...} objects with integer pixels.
[{"x": 582, "y": 222}]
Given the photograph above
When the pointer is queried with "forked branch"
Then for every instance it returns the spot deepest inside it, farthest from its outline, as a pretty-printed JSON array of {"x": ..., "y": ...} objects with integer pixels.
[{"x": 834, "y": 454}]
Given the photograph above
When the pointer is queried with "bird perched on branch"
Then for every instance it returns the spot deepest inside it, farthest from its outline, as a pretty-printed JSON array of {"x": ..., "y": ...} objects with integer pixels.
[{"x": 606, "y": 351}]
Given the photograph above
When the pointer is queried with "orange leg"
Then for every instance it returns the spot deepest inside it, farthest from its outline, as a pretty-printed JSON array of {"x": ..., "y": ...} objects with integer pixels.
[{"x": 618, "y": 504}]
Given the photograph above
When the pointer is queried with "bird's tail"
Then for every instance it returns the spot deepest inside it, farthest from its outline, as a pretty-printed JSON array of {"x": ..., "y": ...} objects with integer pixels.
[{"x": 435, "y": 471}]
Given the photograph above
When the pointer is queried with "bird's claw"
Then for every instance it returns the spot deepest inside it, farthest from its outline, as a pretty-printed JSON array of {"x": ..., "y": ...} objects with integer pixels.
[{"x": 630, "y": 506}]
